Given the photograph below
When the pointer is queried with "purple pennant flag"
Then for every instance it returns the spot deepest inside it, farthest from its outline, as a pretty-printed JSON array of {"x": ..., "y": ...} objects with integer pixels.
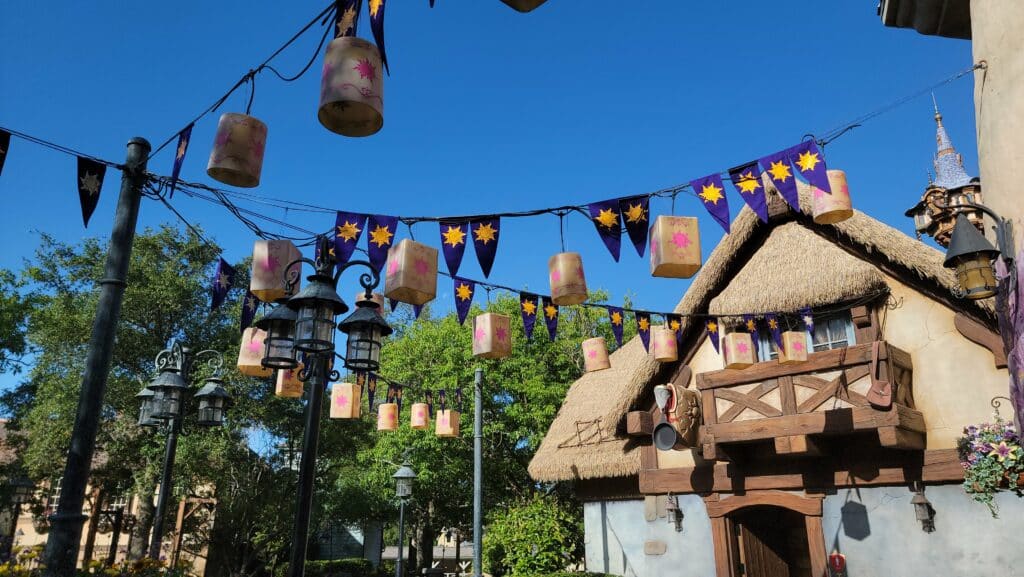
[
  {"x": 773, "y": 327},
  {"x": 179, "y": 155},
  {"x": 453, "y": 244},
  {"x": 90, "y": 181},
  {"x": 393, "y": 303},
  {"x": 360, "y": 379},
  {"x": 346, "y": 18},
  {"x": 528, "y": 309},
  {"x": 712, "y": 327},
  {"x": 675, "y": 322},
  {"x": 780, "y": 171},
  {"x": 442, "y": 399},
  {"x": 616, "y": 318},
  {"x": 643, "y": 328},
  {"x": 458, "y": 399},
  {"x": 747, "y": 180},
  {"x": 810, "y": 162},
  {"x": 398, "y": 396},
  {"x": 377, "y": 27},
  {"x": 464, "y": 290},
  {"x": 550, "y": 315},
  {"x": 430, "y": 403},
  {"x": 5, "y": 145},
  {"x": 371, "y": 388},
  {"x": 223, "y": 279},
  {"x": 608, "y": 223},
  {"x": 416, "y": 310},
  {"x": 635, "y": 212},
  {"x": 348, "y": 227},
  {"x": 808, "y": 318},
  {"x": 750, "y": 325},
  {"x": 249, "y": 306},
  {"x": 485, "y": 241},
  {"x": 381, "y": 235},
  {"x": 712, "y": 193}
]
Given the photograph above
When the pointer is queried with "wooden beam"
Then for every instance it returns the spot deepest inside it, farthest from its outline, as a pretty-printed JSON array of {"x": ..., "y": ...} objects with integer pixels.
[
  {"x": 798, "y": 503},
  {"x": 897, "y": 438},
  {"x": 980, "y": 335},
  {"x": 832, "y": 422},
  {"x": 797, "y": 445},
  {"x": 721, "y": 542},
  {"x": 639, "y": 424},
  {"x": 816, "y": 546},
  {"x": 820, "y": 361}
]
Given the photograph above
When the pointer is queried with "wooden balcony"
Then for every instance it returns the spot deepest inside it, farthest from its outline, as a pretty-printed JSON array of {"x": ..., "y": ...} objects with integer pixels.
[{"x": 798, "y": 407}]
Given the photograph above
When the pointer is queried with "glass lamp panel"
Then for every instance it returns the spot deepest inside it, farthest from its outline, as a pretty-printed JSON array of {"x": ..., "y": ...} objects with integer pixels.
[
  {"x": 977, "y": 277},
  {"x": 363, "y": 350},
  {"x": 403, "y": 487},
  {"x": 279, "y": 352}
]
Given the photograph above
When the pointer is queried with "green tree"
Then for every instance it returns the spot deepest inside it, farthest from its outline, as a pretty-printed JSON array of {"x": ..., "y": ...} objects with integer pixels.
[{"x": 540, "y": 535}]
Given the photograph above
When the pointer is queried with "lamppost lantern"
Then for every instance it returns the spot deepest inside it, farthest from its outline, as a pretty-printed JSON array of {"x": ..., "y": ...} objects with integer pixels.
[
  {"x": 169, "y": 390},
  {"x": 923, "y": 511},
  {"x": 147, "y": 404},
  {"x": 214, "y": 401},
  {"x": 365, "y": 329},
  {"x": 971, "y": 255},
  {"x": 279, "y": 324},
  {"x": 404, "y": 477},
  {"x": 22, "y": 490},
  {"x": 316, "y": 306}
]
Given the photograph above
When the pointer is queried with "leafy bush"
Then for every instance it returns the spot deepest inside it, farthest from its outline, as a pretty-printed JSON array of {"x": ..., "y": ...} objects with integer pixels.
[
  {"x": 540, "y": 536},
  {"x": 353, "y": 567}
]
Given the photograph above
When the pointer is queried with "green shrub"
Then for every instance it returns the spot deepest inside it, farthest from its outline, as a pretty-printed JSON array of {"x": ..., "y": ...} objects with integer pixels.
[
  {"x": 354, "y": 567},
  {"x": 540, "y": 536}
]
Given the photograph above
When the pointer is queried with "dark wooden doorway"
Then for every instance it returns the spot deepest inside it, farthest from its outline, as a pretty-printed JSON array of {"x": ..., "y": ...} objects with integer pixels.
[{"x": 770, "y": 542}]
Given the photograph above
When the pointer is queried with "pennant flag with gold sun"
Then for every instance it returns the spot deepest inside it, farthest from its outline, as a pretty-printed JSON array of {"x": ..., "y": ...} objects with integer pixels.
[
  {"x": 747, "y": 180},
  {"x": 711, "y": 192},
  {"x": 464, "y": 290},
  {"x": 348, "y": 227},
  {"x": 453, "y": 244},
  {"x": 810, "y": 162},
  {"x": 608, "y": 223},
  {"x": 223, "y": 279},
  {"x": 90, "y": 181},
  {"x": 750, "y": 325},
  {"x": 5, "y": 143},
  {"x": 615, "y": 316},
  {"x": 179, "y": 155},
  {"x": 416, "y": 310},
  {"x": 808, "y": 318},
  {"x": 780, "y": 171},
  {"x": 772, "y": 320},
  {"x": 346, "y": 18},
  {"x": 643, "y": 328},
  {"x": 712, "y": 327},
  {"x": 635, "y": 213},
  {"x": 550, "y": 312},
  {"x": 675, "y": 322},
  {"x": 371, "y": 389},
  {"x": 528, "y": 310},
  {"x": 377, "y": 27},
  {"x": 249, "y": 306},
  {"x": 381, "y": 230},
  {"x": 485, "y": 241}
]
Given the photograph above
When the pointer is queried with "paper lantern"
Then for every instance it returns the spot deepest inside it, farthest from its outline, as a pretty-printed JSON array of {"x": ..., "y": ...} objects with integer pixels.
[
  {"x": 595, "y": 355},
  {"x": 419, "y": 417},
  {"x": 237, "y": 156},
  {"x": 794, "y": 348},
  {"x": 523, "y": 5},
  {"x": 835, "y": 207},
  {"x": 375, "y": 297},
  {"x": 269, "y": 259},
  {"x": 387, "y": 417},
  {"x": 492, "y": 336},
  {"x": 250, "y": 354},
  {"x": 352, "y": 88},
  {"x": 664, "y": 345},
  {"x": 568, "y": 282},
  {"x": 287, "y": 383},
  {"x": 675, "y": 247},
  {"x": 411, "y": 273},
  {"x": 345, "y": 401},
  {"x": 447, "y": 424},
  {"x": 738, "y": 349}
]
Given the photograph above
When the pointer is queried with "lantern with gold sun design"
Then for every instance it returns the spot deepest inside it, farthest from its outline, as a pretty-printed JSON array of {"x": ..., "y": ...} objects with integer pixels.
[
  {"x": 411, "y": 273},
  {"x": 675, "y": 247},
  {"x": 352, "y": 88},
  {"x": 568, "y": 282}
]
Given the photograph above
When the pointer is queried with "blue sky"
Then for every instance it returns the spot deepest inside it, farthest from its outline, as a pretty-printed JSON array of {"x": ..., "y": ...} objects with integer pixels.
[{"x": 486, "y": 110}]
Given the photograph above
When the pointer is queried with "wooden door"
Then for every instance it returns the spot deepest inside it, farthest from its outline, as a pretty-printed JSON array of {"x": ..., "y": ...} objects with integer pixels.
[
  {"x": 758, "y": 557},
  {"x": 771, "y": 542}
]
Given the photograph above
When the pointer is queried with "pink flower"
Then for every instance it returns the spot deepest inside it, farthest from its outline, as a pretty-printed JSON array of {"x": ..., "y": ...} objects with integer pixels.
[
  {"x": 365, "y": 69},
  {"x": 479, "y": 335},
  {"x": 421, "y": 267},
  {"x": 502, "y": 334},
  {"x": 392, "y": 267},
  {"x": 681, "y": 239},
  {"x": 742, "y": 347},
  {"x": 592, "y": 353},
  {"x": 556, "y": 275},
  {"x": 341, "y": 401}
]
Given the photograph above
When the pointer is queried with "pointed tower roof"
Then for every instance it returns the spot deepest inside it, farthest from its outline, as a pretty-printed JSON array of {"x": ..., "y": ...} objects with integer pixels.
[{"x": 949, "y": 166}]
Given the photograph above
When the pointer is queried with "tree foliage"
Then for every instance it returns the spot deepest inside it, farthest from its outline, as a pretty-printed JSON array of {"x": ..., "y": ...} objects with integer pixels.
[{"x": 538, "y": 536}]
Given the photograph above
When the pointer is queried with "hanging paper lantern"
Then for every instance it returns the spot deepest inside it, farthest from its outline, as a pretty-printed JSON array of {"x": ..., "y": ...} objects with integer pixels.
[
  {"x": 237, "y": 156},
  {"x": 250, "y": 354},
  {"x": 419, "y": 417},
  {"x": 345, "y": 401},
  {"x": 269, "y": 259},
  {"x": 794, "y": 347},
  {"x": 568, "y": 282},
  {"x": 524, "y": 5},
  {"x": 738, "y": 350},
  {"x": 664, "y": 345},
  {"x": 352, "y": 88},
  {"x": 595, "y": 355},
  {"x": 492, "y": 336},
  {"x": 375, "y": 297},
  {"x": 447, "y": 424},
  {"x": 387, "y": 417},
  {"x": 411, "y": 273},
  {"x": 287, "y": 383},
  {"x": 835, "y": 207},
  {"x": 675, "y": 247}
]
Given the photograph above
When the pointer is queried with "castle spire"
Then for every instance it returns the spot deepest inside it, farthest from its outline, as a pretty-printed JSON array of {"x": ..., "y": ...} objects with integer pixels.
[{"x": 949, "y": 166}]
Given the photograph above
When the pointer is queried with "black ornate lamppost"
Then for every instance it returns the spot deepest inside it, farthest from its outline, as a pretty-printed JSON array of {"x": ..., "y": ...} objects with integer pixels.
[
  {"x": 161, "y": 405},
  {"x": 304, "y": 325},
  {"x": 403, "y": 477}
]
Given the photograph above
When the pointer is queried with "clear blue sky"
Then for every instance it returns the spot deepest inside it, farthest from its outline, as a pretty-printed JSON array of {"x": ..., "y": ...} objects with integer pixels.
[{"x": 486, "y": 110}]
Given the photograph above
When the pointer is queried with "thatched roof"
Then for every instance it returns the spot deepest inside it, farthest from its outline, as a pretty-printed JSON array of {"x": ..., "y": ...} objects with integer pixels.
[{"x": 831, "y": 263}]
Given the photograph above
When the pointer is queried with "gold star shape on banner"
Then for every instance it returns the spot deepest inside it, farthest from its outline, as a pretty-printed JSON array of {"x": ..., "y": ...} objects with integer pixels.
[
  {"x": 250, "y": 302},
  {"x": 375, "y": 6},
  {"x": 808, "y": 320},
  {"x": 773, "y": 324},
  {"x": 616, "y": 318},
  {"x": 644, "y": 324},
  {"x": 674, "y": 325},
  {"x": 636, "y": 213},
  {"x": 222, "y": 280},
  {"x": 454, "y": 236},
  {"x": 348, "y": 231},
  {"x": 381, "y": 236},
  {"x": 748, "y": 183},
  {"x": 712, "y": 327},
  {"x": 780, "y": 171},
  {"x": 90, "y": 184},
  {"x": 751, "y": 326},
  {"x": 529, "y": 308},
  {"x": 551, "y": 311},
  {"x": 807, "y": 161},
  {"x": 464, "y": 292},
  {"x": 181, "y": 148},
  {"x": 711, "y": 193},
  {"x": 607, "y": 218},
  {"x": 485, "y": 233},
  {"x": 348, "y": 18}
]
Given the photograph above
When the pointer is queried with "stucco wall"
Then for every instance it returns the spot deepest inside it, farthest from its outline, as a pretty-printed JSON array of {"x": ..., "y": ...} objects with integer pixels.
[
  {"x": 881, "y": 537},
  {"x": 954, "y": 379},
  {"x": 617, "y": 530}
]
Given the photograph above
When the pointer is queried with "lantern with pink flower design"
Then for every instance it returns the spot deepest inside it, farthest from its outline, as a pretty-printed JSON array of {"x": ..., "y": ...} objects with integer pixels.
[
  {"x": 675, "y": 247},
  {"x": 250, "y": 354},
  {"x": 830, "y": 208},
  {"x": 664, "y": 346},
  {"x": 237, "y": 156},
  {"x": 268, "y": 279},
  {"x": 287, "y": 383},
  {"x": 387, "y": 417},
  {"x": 568, "y": 282},
  {"x": 352, "y": 88},
  {"x": 376, "y": 298},
  {"x": 794, "y": 348},
  {"x": 595, "y": 355},
  {"x": 345, "y": 401},
  {"x": 492, "y": 336},
  {"x": 411, "y": 273},
  {"x": 447, "y": 423},
  {"x": 738, "y": 350},
  {"x": 419, "y": 416}
]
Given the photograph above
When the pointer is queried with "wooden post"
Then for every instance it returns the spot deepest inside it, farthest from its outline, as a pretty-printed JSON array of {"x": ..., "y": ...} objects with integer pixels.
[
  {"x": 90, "y": 531},
  {"x": 178, "y": 527}
]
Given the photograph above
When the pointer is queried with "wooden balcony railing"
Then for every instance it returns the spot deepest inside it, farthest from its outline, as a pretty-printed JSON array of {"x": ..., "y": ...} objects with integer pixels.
[{"x": 794, "y": 405}]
